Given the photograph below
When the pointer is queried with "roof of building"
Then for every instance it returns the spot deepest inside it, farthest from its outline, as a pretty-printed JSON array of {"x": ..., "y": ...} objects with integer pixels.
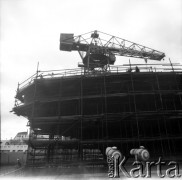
[{"x": 22, "y": 133}]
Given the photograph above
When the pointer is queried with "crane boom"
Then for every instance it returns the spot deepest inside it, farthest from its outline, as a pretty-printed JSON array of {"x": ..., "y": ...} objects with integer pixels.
[{"x": 100, "y": 48}]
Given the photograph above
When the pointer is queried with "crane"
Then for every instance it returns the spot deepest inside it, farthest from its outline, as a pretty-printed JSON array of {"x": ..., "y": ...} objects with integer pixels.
[{"x": 98, "y": 50}]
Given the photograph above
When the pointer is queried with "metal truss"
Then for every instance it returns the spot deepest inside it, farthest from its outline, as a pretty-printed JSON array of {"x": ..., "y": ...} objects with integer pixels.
[{"x": 98, "y": 49}]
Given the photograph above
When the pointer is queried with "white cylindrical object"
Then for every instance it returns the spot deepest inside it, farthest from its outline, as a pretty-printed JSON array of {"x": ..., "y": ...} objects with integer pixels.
[
  {"x": 142, "y": 154},
  {"x": 113, "y": 152}
]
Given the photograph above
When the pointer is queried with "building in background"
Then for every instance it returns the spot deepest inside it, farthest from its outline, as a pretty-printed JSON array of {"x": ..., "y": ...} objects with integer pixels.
[
  {"x": 21, "y": 136},
  {"x": 14, "y": 149}
]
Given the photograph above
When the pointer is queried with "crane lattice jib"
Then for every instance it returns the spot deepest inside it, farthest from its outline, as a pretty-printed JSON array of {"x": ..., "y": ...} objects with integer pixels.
[{"x": 99, "y": 42}]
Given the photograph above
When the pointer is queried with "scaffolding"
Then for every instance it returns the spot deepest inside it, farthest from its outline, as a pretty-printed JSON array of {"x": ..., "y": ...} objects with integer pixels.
[{"x": 73, "y": 115}]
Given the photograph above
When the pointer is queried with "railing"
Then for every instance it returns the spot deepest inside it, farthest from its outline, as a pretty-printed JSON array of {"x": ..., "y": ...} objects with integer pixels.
[{"x": 162, "y": 67}]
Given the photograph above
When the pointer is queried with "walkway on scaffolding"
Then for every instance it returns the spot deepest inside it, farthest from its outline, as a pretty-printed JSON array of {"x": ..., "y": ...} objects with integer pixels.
[{"x": 125, "y": 68}]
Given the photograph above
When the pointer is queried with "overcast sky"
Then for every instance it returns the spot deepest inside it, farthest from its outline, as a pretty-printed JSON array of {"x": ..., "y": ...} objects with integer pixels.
[{"x": 30, "y": 30}]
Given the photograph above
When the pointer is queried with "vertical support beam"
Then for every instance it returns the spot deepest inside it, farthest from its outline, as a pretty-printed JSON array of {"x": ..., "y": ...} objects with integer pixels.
[
  {"x": 178, "y": 89},
  {"x": 171, "y": 64},
  {"x": 105, "y": 105},
  {"x": 34, "y": 156},
  {"x": 157, "y": 120},
  {"x": 48, "y": 154},
  {"x": 17, "y": 91},
  {"x": 59, "y": 110},
  {"x": 130, "y": 66},
  {"x": 80, "y": 149},
  {"x": 163, "y": 116},
  {"x": 136, "y": 115},
  {"x": 32, "y": 119},
  {"x": 18, "y": 87},
  {"x": 158, "y": 87},
  {"x": 37, "y": 72},
  {"x": 88, "y": 59}
]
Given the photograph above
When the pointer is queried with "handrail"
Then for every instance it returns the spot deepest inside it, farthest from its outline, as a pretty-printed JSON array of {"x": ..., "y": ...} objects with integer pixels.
[
  {"x": 162, "y": 67},
  {"x": 28, "y": 79}
]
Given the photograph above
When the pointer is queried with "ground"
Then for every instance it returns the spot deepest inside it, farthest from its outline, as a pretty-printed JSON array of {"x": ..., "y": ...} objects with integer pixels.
[{"x": 63, "y": 174}]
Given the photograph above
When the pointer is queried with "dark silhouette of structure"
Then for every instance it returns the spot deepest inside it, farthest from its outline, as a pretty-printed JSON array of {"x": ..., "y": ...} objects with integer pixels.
[{"x": 75, "y": 114}]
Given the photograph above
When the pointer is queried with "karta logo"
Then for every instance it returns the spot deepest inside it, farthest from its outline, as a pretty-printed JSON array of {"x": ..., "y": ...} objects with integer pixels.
[{"x": 116, "y": 163}]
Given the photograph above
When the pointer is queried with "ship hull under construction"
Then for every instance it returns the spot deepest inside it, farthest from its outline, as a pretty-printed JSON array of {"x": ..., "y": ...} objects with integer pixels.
[{"x": 73, "y": 119}]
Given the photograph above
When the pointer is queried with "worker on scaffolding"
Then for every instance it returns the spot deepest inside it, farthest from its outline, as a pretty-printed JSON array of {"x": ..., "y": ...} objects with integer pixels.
[
  {"x": 137, "y": 69},
  {"x": 129, "y": 70},
  {"x": 18, "y": 163}
]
